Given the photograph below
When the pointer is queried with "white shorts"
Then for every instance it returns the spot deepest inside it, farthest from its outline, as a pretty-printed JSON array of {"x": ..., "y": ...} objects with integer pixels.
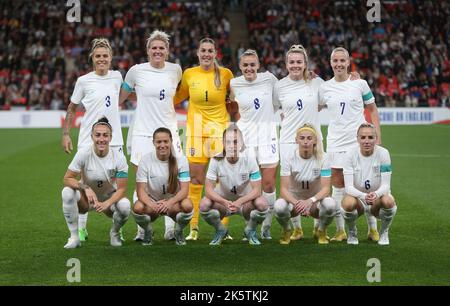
[
  {"x": 266, "y": 155},
  {"x": 142, "y": 145},
  {"x": 336, "y": 159}
]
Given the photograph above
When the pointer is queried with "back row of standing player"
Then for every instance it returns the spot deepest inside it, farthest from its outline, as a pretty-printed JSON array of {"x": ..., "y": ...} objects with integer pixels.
[{"x": 299, "y": 96}]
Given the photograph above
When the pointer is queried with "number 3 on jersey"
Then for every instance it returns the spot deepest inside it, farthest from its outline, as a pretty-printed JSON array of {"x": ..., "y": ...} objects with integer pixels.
[{"x": 108, "y": 101}]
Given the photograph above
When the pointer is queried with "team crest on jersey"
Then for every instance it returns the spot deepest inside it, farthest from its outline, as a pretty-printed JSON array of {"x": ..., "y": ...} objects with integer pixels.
[
  {"x": 376, "y": 169},
  {"x": 316, "y": 172},
  {"x": 112, "y": 173},
  {"x": 192, "y": 151}
]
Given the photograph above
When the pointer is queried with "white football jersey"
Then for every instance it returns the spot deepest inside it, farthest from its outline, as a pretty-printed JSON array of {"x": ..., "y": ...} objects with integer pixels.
[
  {"x": 299, "y": 101},
  {"x": 100, "y": 97},
  {"x": 233, "y": 179},
  {"x": 305, "y": 174},
  {"x": 345, "y": 101},
  {"x": 257, "y": 121},
  {"x": 155, "y": 89},
  {"x": 155, "y": 173},
  {"x": 100, "y": 173},
  {"x": 367, "y": 171}
]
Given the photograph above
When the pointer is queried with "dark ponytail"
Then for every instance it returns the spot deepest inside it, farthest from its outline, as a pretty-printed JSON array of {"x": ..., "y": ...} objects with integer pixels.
[{"x": 173, "y": 165}]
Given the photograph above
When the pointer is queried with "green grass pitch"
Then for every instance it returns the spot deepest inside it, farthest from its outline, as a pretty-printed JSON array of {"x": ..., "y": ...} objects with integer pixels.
[{"x": 33, "y": 231}]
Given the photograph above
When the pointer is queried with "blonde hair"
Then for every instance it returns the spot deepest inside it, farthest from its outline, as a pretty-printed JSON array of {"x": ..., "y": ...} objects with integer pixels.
[
  {"x": 99, "y": 43},
  {"x": 340, "y": 49},
  {"x": 301, "y": 50},
  {"x": 217, "y": 81},
  {"x": 249, "y": 52},
  {"x": 158, "y": 35},
  {"x": 367, "y": 125},
  {"x": 317, "y": 150}
]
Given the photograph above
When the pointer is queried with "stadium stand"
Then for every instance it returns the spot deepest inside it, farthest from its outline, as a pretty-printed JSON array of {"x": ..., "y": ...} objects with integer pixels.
[
  {"x": 41, "y": 54},
  {"x": 405, "y": 57}
]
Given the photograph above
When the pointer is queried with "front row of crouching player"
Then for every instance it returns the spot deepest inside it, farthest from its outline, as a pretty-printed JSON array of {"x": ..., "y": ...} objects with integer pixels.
[{"x": 97, "y": 179}]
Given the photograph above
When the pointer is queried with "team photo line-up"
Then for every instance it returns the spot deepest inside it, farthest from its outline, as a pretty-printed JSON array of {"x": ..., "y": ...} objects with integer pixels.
[{"x": 235, "y": 160}]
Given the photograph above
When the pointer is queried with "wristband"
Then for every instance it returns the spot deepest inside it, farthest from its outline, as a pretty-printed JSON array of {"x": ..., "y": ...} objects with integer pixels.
[{"x": 313, "y": 199}]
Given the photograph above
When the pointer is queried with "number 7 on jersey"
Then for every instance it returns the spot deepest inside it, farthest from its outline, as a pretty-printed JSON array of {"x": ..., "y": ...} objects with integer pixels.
[{"x": 343, "y": 107}]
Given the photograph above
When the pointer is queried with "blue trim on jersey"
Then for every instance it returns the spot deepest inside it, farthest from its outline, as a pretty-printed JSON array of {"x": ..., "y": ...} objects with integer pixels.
[
  {"x": 122, "y": 174},
  {"x": 255, "y": 176},
  {"x": 183, "y": 175},
  {"x": 385, "y": 168},
  {"x": 127, "y": 87},
  {"x": 325, "y": 173},
  {"x": 367, "y": 96}
]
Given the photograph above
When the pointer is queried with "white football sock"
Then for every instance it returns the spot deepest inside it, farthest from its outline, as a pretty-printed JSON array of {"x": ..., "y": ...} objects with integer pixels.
[
  {"x": 70, "y": 198},
  {"x": 121, "y": 212},
  {"x": 270, "y": 197},
  {"x": 183, "y": 219},
  {"x": 169, "y": 224},
  {"x": 386, "y": 216},
  {"x": 338, "y": 195},
  {"x": 282, "y": 213},
  {"x": 82, "y": 220},
  {"x": 256, "y": 217},
  {"x": 371, "y": 220},
  {"x": 326, "y": 213},
  {"x": 350, "y": 218},
  {"x": 144, "y": 221},
  {"x": 135, "y": 198},
  {"x": 212, "y": 217},
  {"x": 297, "y": 221}
]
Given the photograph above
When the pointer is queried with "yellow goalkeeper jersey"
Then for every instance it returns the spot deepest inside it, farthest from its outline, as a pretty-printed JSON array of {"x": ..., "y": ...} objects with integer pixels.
[{"x": 207, "y": 114}]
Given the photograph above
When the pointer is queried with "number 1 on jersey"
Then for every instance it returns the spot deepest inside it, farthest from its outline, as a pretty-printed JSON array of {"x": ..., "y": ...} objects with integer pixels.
[{"x": 206, "y": 96}]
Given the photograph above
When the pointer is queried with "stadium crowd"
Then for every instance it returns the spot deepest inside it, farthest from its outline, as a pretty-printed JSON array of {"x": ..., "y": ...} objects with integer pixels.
[
  {"x": 41, "y": 54},
  {"x": 405, "y": 58}
]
